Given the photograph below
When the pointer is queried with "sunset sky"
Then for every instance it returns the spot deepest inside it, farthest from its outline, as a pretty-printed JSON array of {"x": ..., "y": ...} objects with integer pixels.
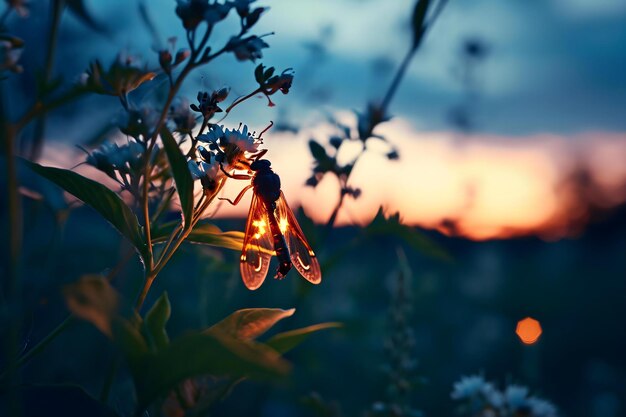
[{"x": 549, "y": 106}]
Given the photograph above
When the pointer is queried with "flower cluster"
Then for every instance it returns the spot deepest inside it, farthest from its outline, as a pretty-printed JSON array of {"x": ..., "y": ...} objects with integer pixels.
[
  {"x": 481, "y": 398},
  {"x": 208, "y": 103},
  {"x": 194, "y": 12},
  {"x": 166, "y": 58},
  {"x": 113, "y": 159},
  {"x": 123, "y": 76},
  {"x": 270, "y": 83},
  {"x": 247, "y": 48},
  {"x": 222, "y": 150}
]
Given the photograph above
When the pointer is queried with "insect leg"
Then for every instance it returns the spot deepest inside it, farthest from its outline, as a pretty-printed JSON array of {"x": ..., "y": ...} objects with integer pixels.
[
  {"x": 235, "y": 176},
  {"x": 260, "y": 154},
  {"x": 239, "y": 197}
]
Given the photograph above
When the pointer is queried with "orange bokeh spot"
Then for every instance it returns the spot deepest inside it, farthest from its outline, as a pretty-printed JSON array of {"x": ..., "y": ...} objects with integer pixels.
[{"x": 528, "y": 330}]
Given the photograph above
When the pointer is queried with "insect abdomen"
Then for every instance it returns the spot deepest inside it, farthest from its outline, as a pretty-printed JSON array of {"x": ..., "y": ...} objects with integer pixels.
[{"x": 280, "y": 246}]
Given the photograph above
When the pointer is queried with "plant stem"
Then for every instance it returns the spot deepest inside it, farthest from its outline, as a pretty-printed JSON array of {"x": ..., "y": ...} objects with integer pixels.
[
  {"x": 152, "y": 270},
  {"x": 39, "y": 347},
  {"x": 40, "y": 127},
  {"x": 393, "y": 87},
  {"x": 11, "y": 312}
]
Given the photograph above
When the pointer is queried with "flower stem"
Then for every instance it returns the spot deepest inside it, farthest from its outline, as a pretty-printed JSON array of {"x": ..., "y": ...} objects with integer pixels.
[
  {"x": 40, "y": 126},
  {"x": 39, "y": 347}
]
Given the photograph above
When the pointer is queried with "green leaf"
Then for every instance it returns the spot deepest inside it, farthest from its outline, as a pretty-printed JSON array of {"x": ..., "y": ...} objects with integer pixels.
[
  {"x": 204, "y": 234},
  {"x": 201, "y": 354},
  {"x": 208, "y": 236},
  {"x": 284, "y": 342},
  {"x": 104, "y": 201},
  {"x": 318, "y": 151},
  {"x": 258, "y": 74},
  {"x": 130, "y": 341},
  {"x": 268, "y": 73},
  {"x": 250, "y": 323},
  {"x": 155, "y": 322},
  {"x": 419, "y": 15},
  {"x": 182, "y": 176},
  {"x": 92, "y": 298}
]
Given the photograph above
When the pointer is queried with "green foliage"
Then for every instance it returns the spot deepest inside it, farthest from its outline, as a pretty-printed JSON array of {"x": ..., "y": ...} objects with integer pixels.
[
  {"x": 104, "y": 201},
  {"x": 204, "y": 234},
  {"x": 284, "y": 342},
  {"x": 205, "y": 353},
  {"x": 158, "y": 366},
  {"x": 155, "y": 321},
  {"x": 250, "y": 323},
  {"x": 182, "y": 176}
]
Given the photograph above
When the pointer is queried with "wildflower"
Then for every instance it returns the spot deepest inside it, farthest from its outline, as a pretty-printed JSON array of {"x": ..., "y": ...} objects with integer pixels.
[
  {"x": 123, "y": 76},
  {"x": 206, "y": 172},
  {"x": 515, "y": 396},
  {"x": 207, "y": 103},
  {"x": 280, "y": 82},
  {"x": 229, "y": 145},
  {"x": 541, "y": 408},
  {"x": 470, "y": 386},
  {"x": 166, "y": 60},
  {"x": 213, "y": 136},
  {"x": 182, "y": 116},
  {"x": 20, "y": 6},
  {"x": 10, "y": 53},
  {"x": 247, "y": 48},
  {"x": 248, "y": 18},
  {"x": 111, "y": 157},
  {"x": 216, "y": 12},
  {"x": 242, "y": 139},
  {"x": 191, "y": 12}
]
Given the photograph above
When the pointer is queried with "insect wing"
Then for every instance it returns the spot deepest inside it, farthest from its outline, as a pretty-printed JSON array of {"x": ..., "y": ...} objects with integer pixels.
[
  {"x": 258, "y": 246},
  {"x": 302, "y": 256}
]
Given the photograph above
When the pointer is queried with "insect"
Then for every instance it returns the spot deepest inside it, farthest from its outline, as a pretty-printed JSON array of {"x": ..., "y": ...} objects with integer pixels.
[{"x": 271, "y": 229}]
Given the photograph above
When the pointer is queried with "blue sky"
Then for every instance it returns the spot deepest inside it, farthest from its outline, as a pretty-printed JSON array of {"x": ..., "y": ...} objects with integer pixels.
[{"x": 554, "y": 66}]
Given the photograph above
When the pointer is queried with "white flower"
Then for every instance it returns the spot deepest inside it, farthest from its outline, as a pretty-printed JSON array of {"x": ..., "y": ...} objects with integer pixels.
[
  {"x": 201, "y": 170},
  {"x": 541, "y": 408},
  {"x": 213, "y": 136},
  {"x": 468, "y": 387},
  {"x": 242, "y": 139},
  {"x": 248, "y": 48},
  {"x": 516, "y": 396},
  {"x": 492, "y": 396}
]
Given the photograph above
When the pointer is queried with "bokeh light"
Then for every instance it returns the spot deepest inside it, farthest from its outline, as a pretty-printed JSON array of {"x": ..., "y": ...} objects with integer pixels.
[{"x": 528, "y": 330}]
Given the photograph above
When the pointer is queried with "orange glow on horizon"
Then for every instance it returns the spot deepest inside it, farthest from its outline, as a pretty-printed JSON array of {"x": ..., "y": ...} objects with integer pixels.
[
  {"x": 528, "y": 330},
  {"x": 479, "y": 187}
]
